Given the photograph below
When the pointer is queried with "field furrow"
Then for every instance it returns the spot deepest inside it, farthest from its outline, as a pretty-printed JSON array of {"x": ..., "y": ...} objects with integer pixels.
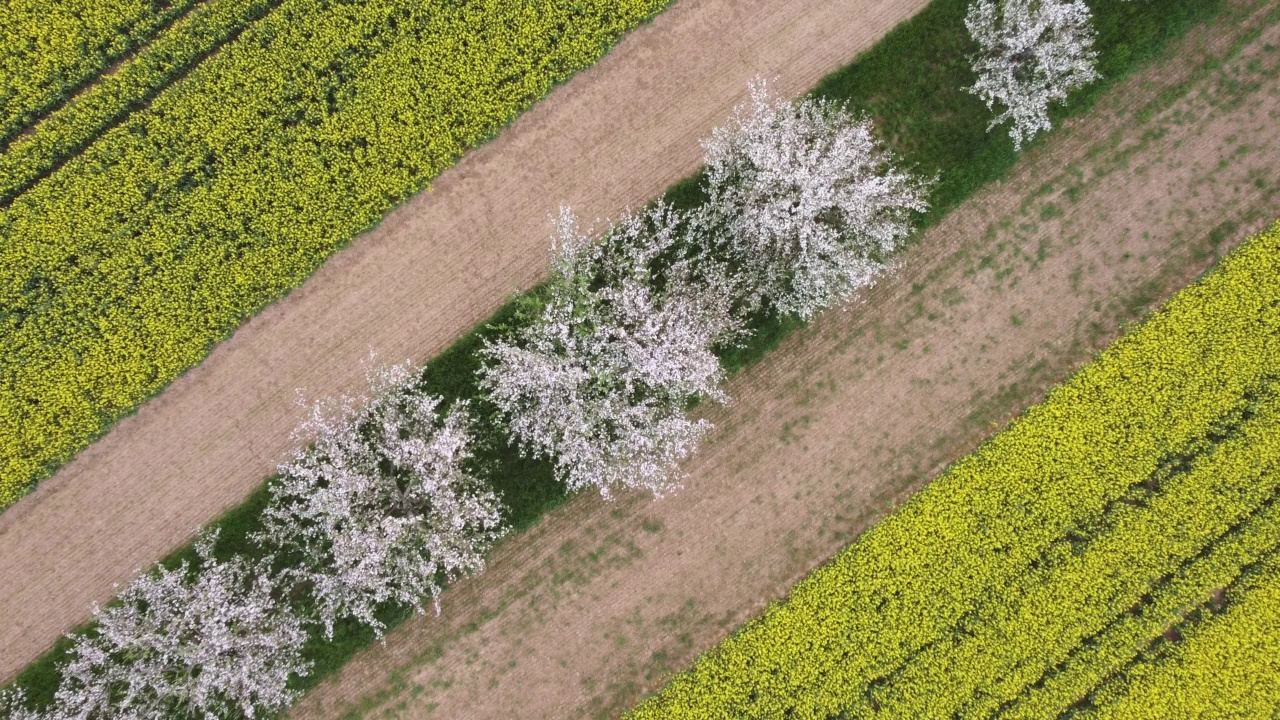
[
  {"x": 104, "y": 104},
  {"x": 48, "y": 50},
  {"x": 1029, "y": 626},
  {"x": 1197, "y": 588},
  {"x": 1225, "y": 665}
]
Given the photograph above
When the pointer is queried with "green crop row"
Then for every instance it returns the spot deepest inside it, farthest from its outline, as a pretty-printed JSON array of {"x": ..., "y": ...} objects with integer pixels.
[
  {"x": 73, "y": 126},
  {"x": 48, "y": 48},
  {"x": 121, "y": 269},
  {"x": 1157, "y": 409},
  {"x": 1225, "y": 666}
]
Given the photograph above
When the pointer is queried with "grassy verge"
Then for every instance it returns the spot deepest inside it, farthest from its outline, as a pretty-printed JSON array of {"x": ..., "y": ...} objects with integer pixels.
[{"x": 902, "y": 83}]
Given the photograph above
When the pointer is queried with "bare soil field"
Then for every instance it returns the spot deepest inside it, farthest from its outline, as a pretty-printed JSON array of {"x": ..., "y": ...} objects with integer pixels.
[
  {"x": 615, "y": 136},
  {"x": 585, "y": 613}
]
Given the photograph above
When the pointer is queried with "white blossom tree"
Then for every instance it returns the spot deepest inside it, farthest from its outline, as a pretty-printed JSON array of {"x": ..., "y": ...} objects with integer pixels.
[
  {"x": 804, "y": 202},
  {"x": 600, "y": 381},
  {"x": 212, "y": 642},
  {"x": 380, "y": 508},
  {"x": 1032, "y": 53}
]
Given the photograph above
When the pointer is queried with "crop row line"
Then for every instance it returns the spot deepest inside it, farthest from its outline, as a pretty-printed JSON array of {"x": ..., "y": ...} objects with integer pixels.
[
  {"x": 71, "y": 128},
  {"x": 1224, "y": 665},
  {"x": 49, "y": 51}
]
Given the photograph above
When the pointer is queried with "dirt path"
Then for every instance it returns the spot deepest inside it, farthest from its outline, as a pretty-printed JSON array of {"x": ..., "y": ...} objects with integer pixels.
[
  {"x": 616, "y": 135},
  {"x": 588, "y": 611}
]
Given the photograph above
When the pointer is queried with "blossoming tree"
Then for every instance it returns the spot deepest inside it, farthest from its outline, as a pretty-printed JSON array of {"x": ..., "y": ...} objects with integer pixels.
[
  {"x": 804, "y": 202},
  {"x": 380, "y": 507},
  {"x": 1032, "y": 53},
  {"x": 600, "y": 381},
  {"x": 211, "y": 643}
]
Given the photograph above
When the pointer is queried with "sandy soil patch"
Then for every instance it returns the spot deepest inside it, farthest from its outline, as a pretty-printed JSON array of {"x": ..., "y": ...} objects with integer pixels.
[
  {"x": 593, "y": 608},
  {"x": 616, "y": 135}
]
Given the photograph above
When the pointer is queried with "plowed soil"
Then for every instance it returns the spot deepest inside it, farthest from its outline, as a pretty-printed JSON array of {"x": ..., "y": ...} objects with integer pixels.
[
  {"x": 616, "y": 135},
  {"x": 587, "y": 612}
]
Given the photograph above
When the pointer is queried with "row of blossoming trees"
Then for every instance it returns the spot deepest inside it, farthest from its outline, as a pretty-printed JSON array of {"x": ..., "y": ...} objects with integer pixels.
[{"x": 804, "y": 208}]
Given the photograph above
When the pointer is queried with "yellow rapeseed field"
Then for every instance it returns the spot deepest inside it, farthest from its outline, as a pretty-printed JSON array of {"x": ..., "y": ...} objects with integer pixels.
[
  {"x": 1112, "y": 652},
  {"x": 1225, "y": 667},
  {"x": 120, "y": 270},
  {"x": 49, "y": 47},
  {"x": 75, "y": 124},
  {"x": 1055, "y": 555}
]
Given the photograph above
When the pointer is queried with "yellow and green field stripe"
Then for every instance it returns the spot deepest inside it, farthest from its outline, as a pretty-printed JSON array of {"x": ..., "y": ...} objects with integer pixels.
[
  {"x": 1225, "y": 666},
  {"x": 1110, "y": 653},
  {"x": 74, "y": 125},
  {"x": 48, "y": 48}
]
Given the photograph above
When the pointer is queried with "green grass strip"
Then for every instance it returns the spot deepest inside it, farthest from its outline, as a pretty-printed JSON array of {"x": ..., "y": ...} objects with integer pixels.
[
  {"x": 50, "y": 48},
  {"x": 72, "y": 127},
  {"x": 956, "y": 144},
  {"x": 909, "y": 582}
]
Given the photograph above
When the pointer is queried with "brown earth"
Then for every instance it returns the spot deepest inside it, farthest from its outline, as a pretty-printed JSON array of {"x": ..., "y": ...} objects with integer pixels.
[
  {"x": 614, "y": 136},
  {"x": 582, "y": 615}
]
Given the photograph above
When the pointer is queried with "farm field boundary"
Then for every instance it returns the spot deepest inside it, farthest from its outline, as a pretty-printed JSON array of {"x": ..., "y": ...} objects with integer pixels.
[
  {"x": 1143, "y": 484},
  {"x": 595, "y": 605},
  {"x": 123, "y": 268},
  {"x": 525, "y": 484}
]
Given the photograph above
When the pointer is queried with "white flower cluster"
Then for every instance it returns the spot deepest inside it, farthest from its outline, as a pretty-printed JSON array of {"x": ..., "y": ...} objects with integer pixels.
[
  {"x": 804, "y": 209},
  {"x": 13, "y": 706},
  {"x": 601, "y": 380},
  {"x": 804, "y": 201},
  {"x": 1033, "y": 53},
  {"x": 379, "y": 508},
  {"x": 208, "y": 643}
]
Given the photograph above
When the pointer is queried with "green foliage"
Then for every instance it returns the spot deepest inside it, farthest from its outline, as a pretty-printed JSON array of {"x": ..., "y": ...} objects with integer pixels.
[
  {"x": 49, "y": 48},
  {"x": 120, "y": 270},
  {"x": 1020, "y": 579}
]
